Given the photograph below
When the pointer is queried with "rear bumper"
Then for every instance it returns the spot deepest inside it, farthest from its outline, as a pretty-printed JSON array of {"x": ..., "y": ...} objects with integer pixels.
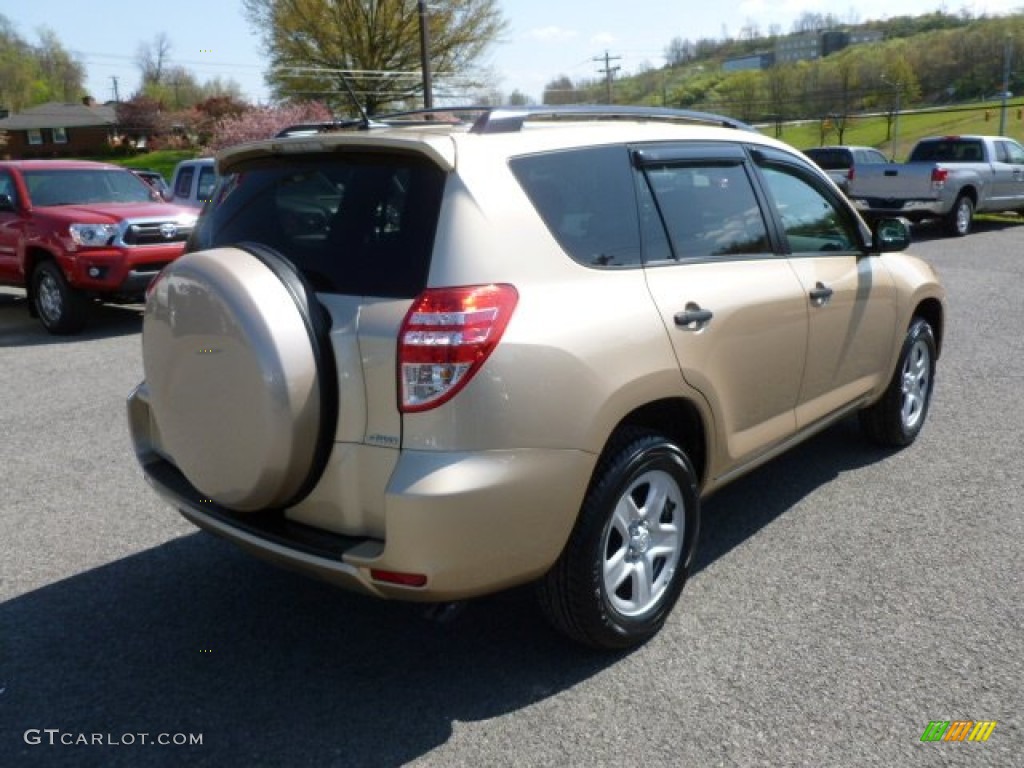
[
  {"x": 911, "y": 209},
  {"x": 469, "y": 523}
]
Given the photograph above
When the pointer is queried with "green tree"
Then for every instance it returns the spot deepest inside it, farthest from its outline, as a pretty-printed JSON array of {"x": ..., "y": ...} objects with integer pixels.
[
  {"x": 377, "y": 42},
  {"x": 34, "y": 74},
  {"x": 561, "y": 91},
  {"x": 17, "y": 68}
]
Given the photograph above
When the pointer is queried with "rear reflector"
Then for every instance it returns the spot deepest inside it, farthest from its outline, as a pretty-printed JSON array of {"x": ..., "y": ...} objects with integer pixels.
[
  {"x": 446, "y": 336},
  {"x": 402, "y": 579}
]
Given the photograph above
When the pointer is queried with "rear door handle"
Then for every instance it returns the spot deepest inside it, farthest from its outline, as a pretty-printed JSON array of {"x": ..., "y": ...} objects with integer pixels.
[
  {"x": 693, "y": 318},
  {"x": 821, "y": 294}
]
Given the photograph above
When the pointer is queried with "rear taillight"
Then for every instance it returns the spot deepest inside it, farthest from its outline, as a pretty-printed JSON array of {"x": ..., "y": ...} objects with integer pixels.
[
  {"x": 939, "y": 176},
  {"x": 446, "y": 336},
  {"x": 850, "y": 173}
]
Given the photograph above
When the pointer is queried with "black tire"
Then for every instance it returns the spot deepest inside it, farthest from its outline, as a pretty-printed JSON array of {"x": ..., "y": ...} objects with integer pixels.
[
  {"x": 897, "y": 418},
  {"x": 60, "y": 308},
  {"x": 958, "y": 221},
  {"x": 583, "y": 595}
]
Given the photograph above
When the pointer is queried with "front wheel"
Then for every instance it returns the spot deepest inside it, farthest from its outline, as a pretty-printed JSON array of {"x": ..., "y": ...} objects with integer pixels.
[
  {"x": 958, "y": 220},
  {"x": 897, "y": 419},
  {"x": 60, "y": 307},
  {"x": 628, "y": 557}
]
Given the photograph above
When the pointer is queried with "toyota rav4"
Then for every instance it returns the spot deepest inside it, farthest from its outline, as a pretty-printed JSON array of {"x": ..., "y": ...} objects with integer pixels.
[{"x": 439, "y": 357}]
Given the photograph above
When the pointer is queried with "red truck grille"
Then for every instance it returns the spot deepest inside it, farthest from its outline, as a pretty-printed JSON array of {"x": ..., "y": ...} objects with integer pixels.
[{"x": 156, "y": 233}]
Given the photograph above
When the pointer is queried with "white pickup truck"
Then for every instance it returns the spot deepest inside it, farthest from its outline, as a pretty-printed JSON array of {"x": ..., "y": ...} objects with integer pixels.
[{"x": 947, "y": 178}]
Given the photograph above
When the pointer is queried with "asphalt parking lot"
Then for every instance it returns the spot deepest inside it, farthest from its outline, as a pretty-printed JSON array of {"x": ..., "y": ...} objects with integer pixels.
[{"x": 844, "y": 597}]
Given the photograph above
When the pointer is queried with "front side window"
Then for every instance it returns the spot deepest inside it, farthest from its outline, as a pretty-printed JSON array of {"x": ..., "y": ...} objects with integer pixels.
[
  {"x": 812, "y": 222},
  {"x": 1011, "y": 152},
  {"x": 586, "y": 199},
  {"x": 709, "y": 209},
  {"x": 207, "y": 180},
  {"x": 183, "y": 184},
  {"x": 7, "y": 187}
]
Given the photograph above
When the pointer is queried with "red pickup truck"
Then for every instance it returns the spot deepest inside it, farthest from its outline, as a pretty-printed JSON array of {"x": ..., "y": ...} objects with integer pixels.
[{"x": 76, "y": 231}]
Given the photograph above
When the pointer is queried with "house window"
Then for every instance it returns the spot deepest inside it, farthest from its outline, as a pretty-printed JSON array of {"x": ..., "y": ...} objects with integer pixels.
[
  {"x": 35, "y": 136},
  {"x": 60, "y": 136}
]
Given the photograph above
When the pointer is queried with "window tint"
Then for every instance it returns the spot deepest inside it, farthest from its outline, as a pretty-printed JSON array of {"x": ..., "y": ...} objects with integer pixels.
[
  {"x": 359, "y": 225},
  {"x": 7, "y": 186},
  {"x": 1010, "y": 152},
  {"x": 871, "y": 156},
  {"x": 948, "y": 150},
  {"x": 708, "y": 210},
  {"x": 587, "y": 201},
  {"x": 75, "y": 187},
  {"x": 207, "y": 180},
  {"x": 811, "y": 221},
  {"x": 831, "y": 159},
  {"x": 183, "y": 184}
]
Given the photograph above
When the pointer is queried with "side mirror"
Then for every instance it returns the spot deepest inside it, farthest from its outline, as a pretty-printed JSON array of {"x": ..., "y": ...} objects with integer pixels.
[
  {"x": 889, "y": 235},
  {"x": 6, "y": 203}
]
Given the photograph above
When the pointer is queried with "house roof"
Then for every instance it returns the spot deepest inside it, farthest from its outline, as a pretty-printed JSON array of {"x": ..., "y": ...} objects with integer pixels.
[{"x": 54, "y": 114}]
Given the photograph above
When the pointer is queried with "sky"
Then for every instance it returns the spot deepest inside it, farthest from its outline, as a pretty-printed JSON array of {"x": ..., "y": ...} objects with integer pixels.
[{"x": 544, "y": 39}]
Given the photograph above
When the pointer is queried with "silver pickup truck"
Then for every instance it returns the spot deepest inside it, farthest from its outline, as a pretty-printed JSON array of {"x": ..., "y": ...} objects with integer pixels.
[{"x": 947, "y": 178}]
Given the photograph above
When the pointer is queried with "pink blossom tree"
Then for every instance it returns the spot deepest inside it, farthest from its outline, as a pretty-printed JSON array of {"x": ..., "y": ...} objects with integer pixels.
[{"x": 264, "y": 122}]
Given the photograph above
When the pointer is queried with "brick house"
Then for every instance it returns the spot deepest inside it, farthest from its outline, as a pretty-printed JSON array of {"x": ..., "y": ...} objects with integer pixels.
[{"x": 58, "y": 130}]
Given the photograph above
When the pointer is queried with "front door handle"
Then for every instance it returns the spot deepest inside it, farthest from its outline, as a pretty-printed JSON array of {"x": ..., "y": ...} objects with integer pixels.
[
  {"x": 821, "y": 294},
  {"x": 693, "y": 318}
]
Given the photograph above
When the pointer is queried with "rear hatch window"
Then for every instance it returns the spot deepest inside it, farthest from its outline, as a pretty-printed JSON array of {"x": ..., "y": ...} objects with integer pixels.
[{"x": 358, "y": 224}]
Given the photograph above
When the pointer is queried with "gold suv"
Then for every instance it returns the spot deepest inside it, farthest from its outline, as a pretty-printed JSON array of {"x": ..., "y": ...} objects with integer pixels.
[{"x": 439, "y": 356}]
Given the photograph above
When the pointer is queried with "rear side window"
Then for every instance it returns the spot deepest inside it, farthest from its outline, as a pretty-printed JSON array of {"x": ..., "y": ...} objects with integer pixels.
[
  {"x": 360, "y": 224},
  {"x": 709, "y": 209},
  {"x": 587, "y": 201}
]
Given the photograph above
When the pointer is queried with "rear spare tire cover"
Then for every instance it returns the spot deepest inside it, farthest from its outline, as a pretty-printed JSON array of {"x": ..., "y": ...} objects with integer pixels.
[{"x": 241, "y": 376}]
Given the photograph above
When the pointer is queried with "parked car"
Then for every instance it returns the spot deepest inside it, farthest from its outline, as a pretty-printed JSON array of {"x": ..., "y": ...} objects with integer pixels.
[
  {"x": 155, "y": 179},
  {"x": 433, "y": 361},
  {"x": 949, "y": 178},
  {"x": 193, "y": 182},
  {"x": 840, "y": 161},
  {"x": 76, "y": 231}
]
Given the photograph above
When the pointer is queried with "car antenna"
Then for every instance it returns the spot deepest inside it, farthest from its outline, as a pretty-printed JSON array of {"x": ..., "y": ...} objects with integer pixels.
[{"x": 366, "y": 123}]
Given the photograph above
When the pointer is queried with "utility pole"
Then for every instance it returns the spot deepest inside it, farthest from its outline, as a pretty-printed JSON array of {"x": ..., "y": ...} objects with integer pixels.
[
  {"x": 117, "y": 97},
  {"x": 608, "y": 71},
  {"x": 1007, "y": 50},
  {"x": 428, "y": 86}
]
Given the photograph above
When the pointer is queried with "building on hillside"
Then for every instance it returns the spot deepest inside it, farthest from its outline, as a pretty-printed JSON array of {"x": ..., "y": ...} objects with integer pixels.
[
  {"x": 751, "y": 61},
  {"x": 58, "y": 130},
  {"x": 809, "y": 46}
]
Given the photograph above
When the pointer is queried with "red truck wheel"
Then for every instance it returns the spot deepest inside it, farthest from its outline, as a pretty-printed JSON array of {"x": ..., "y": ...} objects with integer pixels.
[{"x": 60, "y": 307}]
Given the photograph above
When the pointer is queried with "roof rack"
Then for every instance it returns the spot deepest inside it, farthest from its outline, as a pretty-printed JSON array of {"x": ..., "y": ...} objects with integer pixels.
[{"x": 510, "y": 119}]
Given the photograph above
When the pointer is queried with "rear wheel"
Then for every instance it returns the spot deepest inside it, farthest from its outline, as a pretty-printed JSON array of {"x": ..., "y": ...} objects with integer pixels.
[
  {"x": 629, "y": 555},
  {"x": 60, "y": 307},
  {"x": 958, "y": 220},
  {"x": 897, "y": 419}
]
